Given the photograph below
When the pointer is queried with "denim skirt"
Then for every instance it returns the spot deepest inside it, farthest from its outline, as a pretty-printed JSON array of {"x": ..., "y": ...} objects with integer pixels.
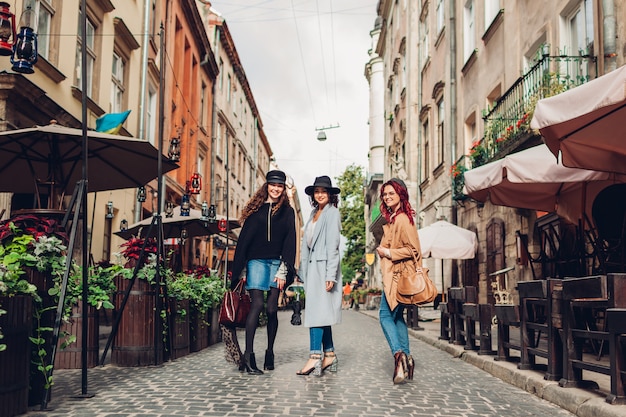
[{"x": 260, "y": 274}]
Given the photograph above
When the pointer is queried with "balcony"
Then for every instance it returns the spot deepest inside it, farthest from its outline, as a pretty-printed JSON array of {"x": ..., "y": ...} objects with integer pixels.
[{"x": 507, "y": 123}]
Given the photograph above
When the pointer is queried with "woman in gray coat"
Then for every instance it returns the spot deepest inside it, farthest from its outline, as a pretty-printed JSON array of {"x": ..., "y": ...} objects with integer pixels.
[{"x": 320, "y": 270}]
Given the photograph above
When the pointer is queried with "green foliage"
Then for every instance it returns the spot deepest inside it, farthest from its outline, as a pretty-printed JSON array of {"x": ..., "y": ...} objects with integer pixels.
[
  {"x": 352, "y": 209},
  {"x": 203, "y": 291}
]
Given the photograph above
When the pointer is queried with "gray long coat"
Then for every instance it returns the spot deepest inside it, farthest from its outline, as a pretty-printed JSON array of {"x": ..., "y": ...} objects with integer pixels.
[{"x": 318, "y": 264}]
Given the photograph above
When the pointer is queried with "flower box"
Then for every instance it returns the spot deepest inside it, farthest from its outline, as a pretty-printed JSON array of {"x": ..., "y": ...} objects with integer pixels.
[{"x": 15, "y": 360}]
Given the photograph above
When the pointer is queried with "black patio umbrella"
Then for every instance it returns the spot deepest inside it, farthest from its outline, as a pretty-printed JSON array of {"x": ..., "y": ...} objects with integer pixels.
[
  {"x": 48, "y": 160},
  {"x": 173, "y": 226}
]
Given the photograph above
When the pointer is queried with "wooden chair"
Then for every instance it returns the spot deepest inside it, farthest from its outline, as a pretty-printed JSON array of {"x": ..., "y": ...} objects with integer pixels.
[
  {"x": 585, "y": 299},
  {"x": 539, "y": 337},
  {"x": 508, "y": 317}
]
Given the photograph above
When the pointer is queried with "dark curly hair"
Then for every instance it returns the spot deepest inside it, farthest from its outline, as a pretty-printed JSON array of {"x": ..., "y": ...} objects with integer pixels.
[
  {"x": 259, "y": 198},
  {"x": 332, "y": 199},
  {"x": 405, "y": 206}
]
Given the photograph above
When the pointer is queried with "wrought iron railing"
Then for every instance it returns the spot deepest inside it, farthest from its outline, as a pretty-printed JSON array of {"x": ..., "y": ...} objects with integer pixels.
[{"x": 508, "y": 121}]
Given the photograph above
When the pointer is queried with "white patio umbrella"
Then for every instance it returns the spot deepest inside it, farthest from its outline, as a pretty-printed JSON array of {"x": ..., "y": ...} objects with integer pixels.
[
  {"x": 534, "y": 179},
  {"x": 444, "y": 240},
  {"x": 586, "y": 123}
]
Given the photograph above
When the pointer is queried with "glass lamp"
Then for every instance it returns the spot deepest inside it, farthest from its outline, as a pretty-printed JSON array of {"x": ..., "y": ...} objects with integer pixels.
[
  {"x": 7, "y": 29},
  {"x": 109, "y": 214},
  {"x": 185, "y": 205},
  {"x": 174, "y": 150},
  {"x": 24, "y": 54},
  {"x": 141, "y": 194}
]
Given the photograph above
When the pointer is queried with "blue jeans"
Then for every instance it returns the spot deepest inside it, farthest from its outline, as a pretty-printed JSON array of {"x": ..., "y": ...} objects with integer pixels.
[
  {"x": 394, "y": 327},
  {"x": 321, "y": 338}
]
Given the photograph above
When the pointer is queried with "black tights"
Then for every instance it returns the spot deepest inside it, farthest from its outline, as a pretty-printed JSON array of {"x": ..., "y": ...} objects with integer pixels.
[{"x": 252, "y": 321}]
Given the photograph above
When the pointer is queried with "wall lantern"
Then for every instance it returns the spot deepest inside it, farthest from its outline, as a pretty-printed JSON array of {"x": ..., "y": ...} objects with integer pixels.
[
  {"x": 141, "y": 194},
  {"x": 169, "y": 209},
  {"x": 174, "y": 151},
  {"x": 195, "y": 184},
  {"x": 321, "y": 136},
  {"x": 212, "y": 215},
  {"x": 24, "y": 54},
  {"x": 205, "y": 212},
  {"x": 185, "y": 205},
  {"x": 7, "y": 29},
  {"x": 184, "y": 234},
  {"x": 221, "y": 225},
  {"x": 123, "y": 225},
  {"x": 109, "y": 214}
]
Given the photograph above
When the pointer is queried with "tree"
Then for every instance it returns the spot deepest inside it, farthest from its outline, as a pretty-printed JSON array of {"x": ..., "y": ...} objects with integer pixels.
[{"x": 352, "y": 209}]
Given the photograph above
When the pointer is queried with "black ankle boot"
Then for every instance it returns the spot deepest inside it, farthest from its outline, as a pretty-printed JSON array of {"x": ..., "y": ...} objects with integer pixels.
[
  {"x": 250, "y": 363},
  {"x": 269, "y": 360}
]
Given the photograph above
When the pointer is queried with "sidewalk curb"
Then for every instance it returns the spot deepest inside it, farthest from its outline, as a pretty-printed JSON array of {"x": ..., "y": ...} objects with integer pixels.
[{"x": 582, "y": 403}]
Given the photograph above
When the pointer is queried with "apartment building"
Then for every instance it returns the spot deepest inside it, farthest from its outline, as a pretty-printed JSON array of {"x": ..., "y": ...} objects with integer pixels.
[
  {"x": 150, "y": 57},
  {"x": 241, "y": 152},
  {"x": 479, "y": 68}
]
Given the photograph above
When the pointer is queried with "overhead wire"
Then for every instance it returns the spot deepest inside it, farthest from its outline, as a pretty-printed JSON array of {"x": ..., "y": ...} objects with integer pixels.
[{"x": 306, "y": 77}]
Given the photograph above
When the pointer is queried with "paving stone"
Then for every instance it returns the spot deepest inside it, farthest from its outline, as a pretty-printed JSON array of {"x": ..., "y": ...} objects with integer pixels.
[{"x": 204, "y": 384}]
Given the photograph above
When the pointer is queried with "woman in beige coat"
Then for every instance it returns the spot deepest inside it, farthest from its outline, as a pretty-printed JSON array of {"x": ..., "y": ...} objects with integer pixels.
[{"x": 400, "y": 243}]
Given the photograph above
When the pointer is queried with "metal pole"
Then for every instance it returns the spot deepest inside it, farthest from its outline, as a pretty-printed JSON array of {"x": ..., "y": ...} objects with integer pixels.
[{"x": 82, "y": 207}]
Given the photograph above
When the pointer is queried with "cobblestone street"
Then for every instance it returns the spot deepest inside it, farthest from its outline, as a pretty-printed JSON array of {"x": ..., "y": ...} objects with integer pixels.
[{"x": 204, "y": 384}]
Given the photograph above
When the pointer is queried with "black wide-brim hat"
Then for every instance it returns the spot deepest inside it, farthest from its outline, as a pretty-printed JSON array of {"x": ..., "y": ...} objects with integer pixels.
[{"x": 324, "y": 182}]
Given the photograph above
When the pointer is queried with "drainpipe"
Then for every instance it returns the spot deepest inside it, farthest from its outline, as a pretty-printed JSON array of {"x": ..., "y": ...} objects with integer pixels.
[
  {"x": 609, "y": 23},
  {"x": 142, "y": 94},
  {"x": 453, "y": 104}
]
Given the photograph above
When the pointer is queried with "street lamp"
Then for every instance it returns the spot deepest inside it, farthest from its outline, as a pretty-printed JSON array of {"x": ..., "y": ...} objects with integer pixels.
[
  {"x": 321, "y": 136},
  {"x": 7, "y": 29},
  {"x": 185, "y": 205},
  {"x": 24, "y": 54},
  {"x": 110, "y": 213}
]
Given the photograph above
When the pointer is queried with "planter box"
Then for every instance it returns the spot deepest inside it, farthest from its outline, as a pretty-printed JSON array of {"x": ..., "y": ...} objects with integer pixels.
[
  {"x": 15, "y": 360},
  {"x": 198, "y": 330},
  {"x": 43, "y": 282},
  {"x": 179, "y": 327},
  {"x": 71, "y": 356},
  {"x": 136, "y": 343}
]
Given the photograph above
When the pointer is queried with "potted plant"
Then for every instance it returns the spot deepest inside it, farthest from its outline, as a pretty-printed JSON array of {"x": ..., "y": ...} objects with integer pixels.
[
  {"x": 100, "y": 290},
  {"x": 32, "y": 264},
  {"x": 206, "y": 295},
  {"x": 135, "y": 341}
]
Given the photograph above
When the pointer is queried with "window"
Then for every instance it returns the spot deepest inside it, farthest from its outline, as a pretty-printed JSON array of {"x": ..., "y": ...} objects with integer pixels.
[
  {"x": 154, "y": 24},
  {"x": 151, "y": 115},
  {"x": 91, "y": 55},
  {"x": 492, "y": 8},
  {"x": 580, "y": 29},
  {"x": 440, "y": 131},
  {"x": 203, "y": 94},
  {"x": 424, "y": 38},
  {"x": 469, "y": 37},
  {"x": 218, "y": 140},
  {"x": 440, "y": 15},
  {"x": 117, "y": 84},
  {"x": 221, "y": 81},
  {"x": 426, "y": 156},
  {"x": 44, "y": 11},
  {"x": 470, "y": 132},
  {"x": 228, "y": 89}
]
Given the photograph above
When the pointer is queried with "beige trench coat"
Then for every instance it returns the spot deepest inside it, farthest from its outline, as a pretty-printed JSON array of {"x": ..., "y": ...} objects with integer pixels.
[{"x": 402, "y": 240}]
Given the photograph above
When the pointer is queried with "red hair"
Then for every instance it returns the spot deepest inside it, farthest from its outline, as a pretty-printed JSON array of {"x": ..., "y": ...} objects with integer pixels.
[{"x": 404, "y": 207}]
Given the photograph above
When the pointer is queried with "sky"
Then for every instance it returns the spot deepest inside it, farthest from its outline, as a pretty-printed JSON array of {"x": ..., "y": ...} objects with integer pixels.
[{"x": 305, "y": 63}]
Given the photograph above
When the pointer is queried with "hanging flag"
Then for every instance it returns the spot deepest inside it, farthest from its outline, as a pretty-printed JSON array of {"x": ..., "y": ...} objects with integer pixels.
[{"x": 111, "y": 123}]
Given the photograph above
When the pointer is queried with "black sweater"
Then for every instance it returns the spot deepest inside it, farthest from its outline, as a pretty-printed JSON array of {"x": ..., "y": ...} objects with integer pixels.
[{"x": 257, "y": 242}]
